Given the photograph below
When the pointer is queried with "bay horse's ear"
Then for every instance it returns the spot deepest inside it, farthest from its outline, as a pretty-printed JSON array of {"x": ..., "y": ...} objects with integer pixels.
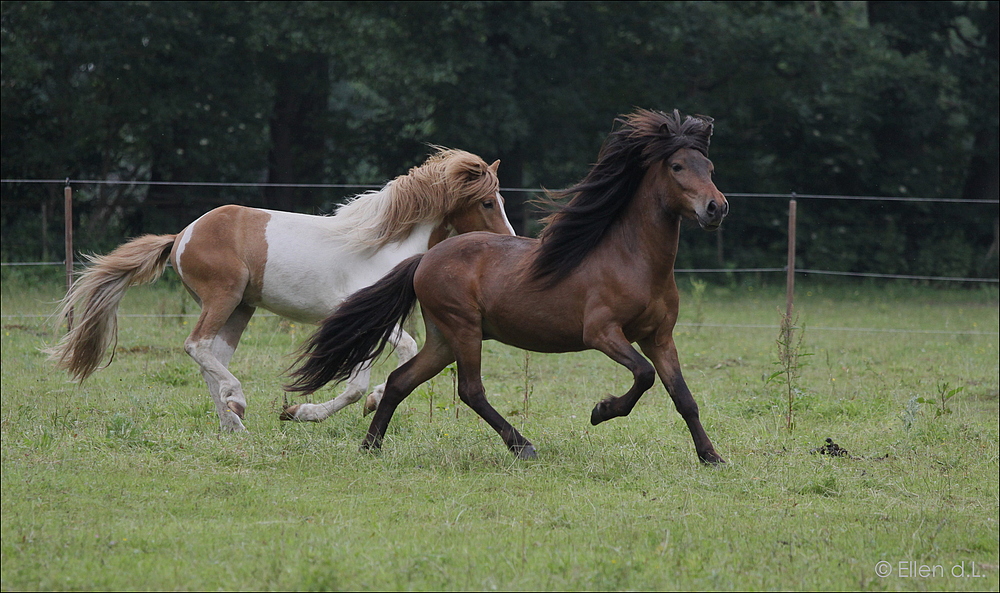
[{"x": 494, "y": 166}]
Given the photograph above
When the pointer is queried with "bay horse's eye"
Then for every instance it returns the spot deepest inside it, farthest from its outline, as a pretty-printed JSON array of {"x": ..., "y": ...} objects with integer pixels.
[{"x": 677, "y": 167}]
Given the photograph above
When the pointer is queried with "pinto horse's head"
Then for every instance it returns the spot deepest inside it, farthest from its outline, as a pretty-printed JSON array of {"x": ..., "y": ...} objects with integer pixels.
[
  {"x": 484, "y": 211},
  {"x": 690, "y": 189}
]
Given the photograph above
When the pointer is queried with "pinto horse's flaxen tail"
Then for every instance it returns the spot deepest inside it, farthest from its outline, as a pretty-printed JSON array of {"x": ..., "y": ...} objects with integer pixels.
[
  {"x": 93, "y": 301},
  {"x": 357, "y": 331}
]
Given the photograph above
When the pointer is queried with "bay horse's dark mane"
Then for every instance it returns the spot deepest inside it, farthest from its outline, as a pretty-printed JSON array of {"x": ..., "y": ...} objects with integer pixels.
[{"x": 643, "y": 137}]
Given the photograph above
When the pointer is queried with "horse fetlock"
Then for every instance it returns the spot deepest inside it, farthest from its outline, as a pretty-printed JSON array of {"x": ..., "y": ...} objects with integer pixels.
[{"x": 371, "y": 404}]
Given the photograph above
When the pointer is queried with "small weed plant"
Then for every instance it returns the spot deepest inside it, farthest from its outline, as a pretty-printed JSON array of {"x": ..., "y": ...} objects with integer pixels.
[
  {"x": 945, "y": 393},
  {"x": 790, "y": 353}
]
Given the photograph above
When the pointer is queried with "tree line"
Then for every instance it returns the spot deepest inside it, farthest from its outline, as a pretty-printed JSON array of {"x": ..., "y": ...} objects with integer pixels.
[{"x": 848, "y": 98}]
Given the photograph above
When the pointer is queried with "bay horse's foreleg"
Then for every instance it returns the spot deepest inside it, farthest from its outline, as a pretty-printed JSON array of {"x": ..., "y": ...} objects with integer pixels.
[
  {"x": 431, "y": 360},
  {"x": 613, "y": 343},
  {"x": 668, "y": 366},
  {"x": 212, "y": 344}
]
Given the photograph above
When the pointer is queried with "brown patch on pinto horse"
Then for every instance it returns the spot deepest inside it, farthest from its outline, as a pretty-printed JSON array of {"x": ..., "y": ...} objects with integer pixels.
[{"x": 221, "y": 244}]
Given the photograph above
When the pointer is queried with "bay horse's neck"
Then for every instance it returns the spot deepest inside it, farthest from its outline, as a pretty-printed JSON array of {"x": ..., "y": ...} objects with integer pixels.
[{"x": 648, "y": 233}]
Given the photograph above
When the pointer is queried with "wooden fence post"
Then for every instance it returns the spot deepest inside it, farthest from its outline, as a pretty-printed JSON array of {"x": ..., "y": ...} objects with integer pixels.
[
  {"x": 68, "y": 213},
  {"x": 790, "y": 278}
]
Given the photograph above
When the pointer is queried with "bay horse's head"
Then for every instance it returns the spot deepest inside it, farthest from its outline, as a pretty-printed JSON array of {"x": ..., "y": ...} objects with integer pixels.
[{"x": 677, "y": 153}]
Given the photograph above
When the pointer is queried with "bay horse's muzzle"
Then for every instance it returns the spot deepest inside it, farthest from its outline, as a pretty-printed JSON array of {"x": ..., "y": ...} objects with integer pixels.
[{"x": 715, "y": 211}]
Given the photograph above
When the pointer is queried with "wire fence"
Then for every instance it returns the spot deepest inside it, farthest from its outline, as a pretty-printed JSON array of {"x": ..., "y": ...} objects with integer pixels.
[
  {"x": 696, "y": 325},
  {"x": 364, "y": 187}
]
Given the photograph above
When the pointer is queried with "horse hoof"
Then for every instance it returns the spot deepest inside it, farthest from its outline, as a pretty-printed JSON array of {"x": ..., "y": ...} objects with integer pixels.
[
  {"x": 596, "y": 417},
  {"x": 712, "y": 458},
  {"x": 288, "y": 414},
  {"x": 527, "y": 452},
  {"x": 371, "y": 404},
  {"x": 232, "y": 425},
  {"x": 371, "y": 448},
  {"x": 237, "y": 409}
]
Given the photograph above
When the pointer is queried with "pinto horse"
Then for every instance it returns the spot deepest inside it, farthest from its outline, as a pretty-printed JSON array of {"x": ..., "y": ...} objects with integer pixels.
[
  {"x": 234, "y": 259},
  {"x": 601, "y": 276}
]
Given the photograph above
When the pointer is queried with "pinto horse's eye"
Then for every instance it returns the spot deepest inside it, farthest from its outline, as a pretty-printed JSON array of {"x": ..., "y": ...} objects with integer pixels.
[{"x": 488, "y": 204}]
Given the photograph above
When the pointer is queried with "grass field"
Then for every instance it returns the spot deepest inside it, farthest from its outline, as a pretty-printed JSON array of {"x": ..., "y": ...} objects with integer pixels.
[{"x": 126, "y": 483}]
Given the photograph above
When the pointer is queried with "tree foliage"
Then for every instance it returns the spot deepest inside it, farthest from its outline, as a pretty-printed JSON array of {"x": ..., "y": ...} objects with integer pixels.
[{"x": 875, "y": 98}]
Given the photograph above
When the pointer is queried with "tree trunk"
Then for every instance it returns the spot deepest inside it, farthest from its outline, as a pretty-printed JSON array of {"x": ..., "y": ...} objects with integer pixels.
[{"x": 298, "y": 131}]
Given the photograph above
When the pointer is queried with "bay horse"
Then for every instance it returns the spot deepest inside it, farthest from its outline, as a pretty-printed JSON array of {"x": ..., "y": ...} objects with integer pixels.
[
  {"x": 599, "y": 277},
  {"x": 235, "y": 259}
]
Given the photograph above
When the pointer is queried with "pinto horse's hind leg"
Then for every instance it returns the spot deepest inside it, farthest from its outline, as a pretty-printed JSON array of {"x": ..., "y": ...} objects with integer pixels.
[
  {"x": 212, "y": 344},
  {"x": 357, "y": 384}
]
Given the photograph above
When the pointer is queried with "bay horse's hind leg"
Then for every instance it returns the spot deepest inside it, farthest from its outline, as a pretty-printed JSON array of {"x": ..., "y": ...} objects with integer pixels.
[
  {"x": 212, "y": 344},
  {"x": 405, "y": 348},
  {"x": 431, "y": 360},
  {"x": 469, "y": 347}
]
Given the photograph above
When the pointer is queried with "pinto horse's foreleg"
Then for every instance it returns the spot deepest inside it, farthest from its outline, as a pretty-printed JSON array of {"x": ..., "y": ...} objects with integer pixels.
[
  {"x": 405, "y": 348},
  {"x": 357, "y": 384},
  {"x": 212, "y": 344},
  {"x": 668, "y": 367},
  {"x": 613, "y": 343}
]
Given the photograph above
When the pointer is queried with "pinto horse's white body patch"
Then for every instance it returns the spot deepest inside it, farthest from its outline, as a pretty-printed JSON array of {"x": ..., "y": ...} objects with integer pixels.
[{"x": 310, "y": 269}]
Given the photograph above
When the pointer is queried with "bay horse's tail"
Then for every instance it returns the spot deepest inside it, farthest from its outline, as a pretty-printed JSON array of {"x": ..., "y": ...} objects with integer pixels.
[
  {"x": 98, "y": 291},
  {"x": 357, "y": 331}
]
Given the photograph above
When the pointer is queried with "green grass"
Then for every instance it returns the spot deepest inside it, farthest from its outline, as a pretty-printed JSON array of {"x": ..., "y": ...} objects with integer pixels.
[{"x": 126, "y": 483}]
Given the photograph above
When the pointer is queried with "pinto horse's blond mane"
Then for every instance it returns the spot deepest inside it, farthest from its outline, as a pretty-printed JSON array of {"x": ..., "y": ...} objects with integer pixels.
[{"x": 447, "y": 181}]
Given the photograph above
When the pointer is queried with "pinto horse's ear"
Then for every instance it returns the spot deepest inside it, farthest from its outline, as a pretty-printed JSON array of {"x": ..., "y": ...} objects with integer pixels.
[{"x": 494, "y": 166}]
